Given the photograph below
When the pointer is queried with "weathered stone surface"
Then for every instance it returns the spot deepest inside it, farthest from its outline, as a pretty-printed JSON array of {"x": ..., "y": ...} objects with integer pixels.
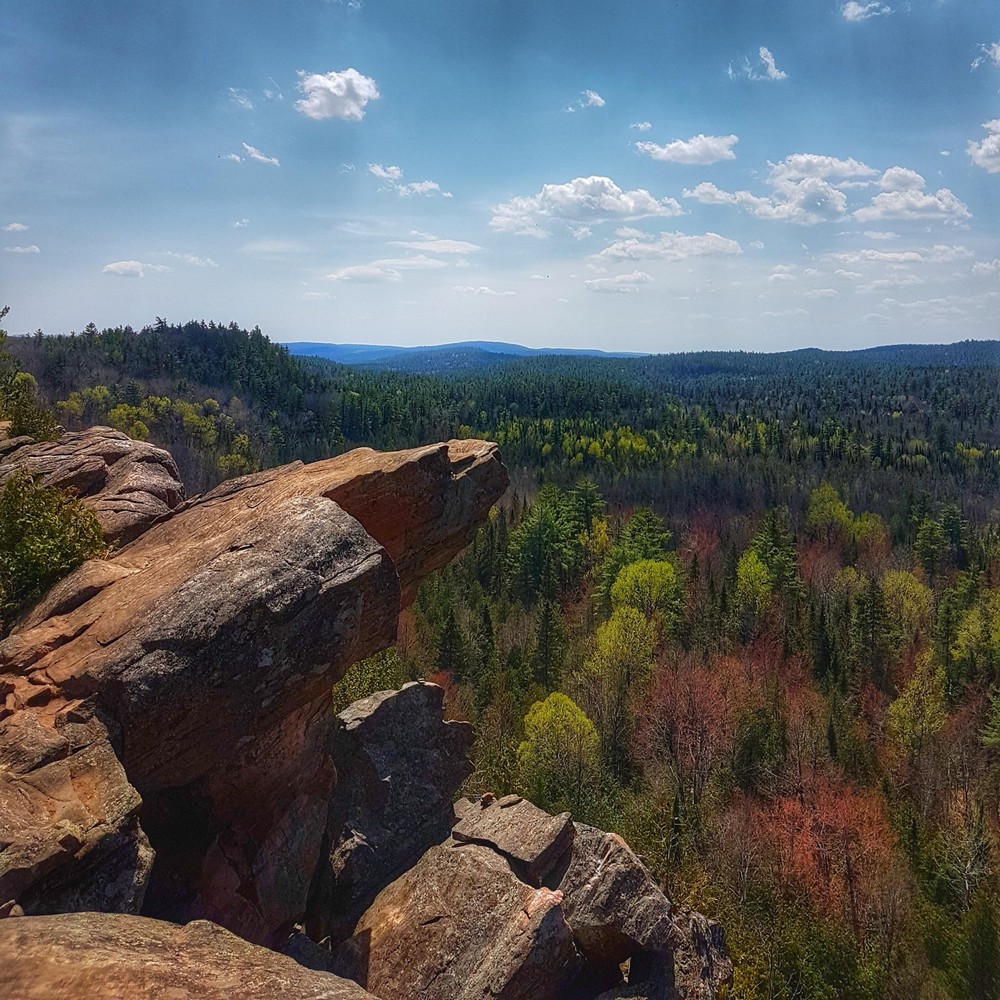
[
  {"x": 209, "y": 645},
  {"x": 529, "y": 838},
  {"x": 460, "y": 926},
  {"x": 128, "y": 484},
  {"x": 702, "y": 966},
  {"x": 615, "y": 908},
  {"x": 82, "y": 956},
  {"x": 69, "y": 832},
  {"x": 399, "y": 764}
]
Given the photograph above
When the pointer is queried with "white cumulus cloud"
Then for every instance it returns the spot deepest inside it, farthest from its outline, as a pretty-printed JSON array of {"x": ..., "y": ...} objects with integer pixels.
[
  {"x": 581, "y": 200},
  {"x": 620, "y": 283},
  {"x": 699, "y": 149},
  {"x": 986, "y": 154},
  {"x": 255, "y": 154},
  {"x": 853, "y": 11},
  {"x": 641, "y": 126},
  {"x": 14, "y": 227},
  {"x": 340, "y": 94},
  {"x": 29, "y": 249},
  {"x": 986, "y": 267},
  {"x": 913, "y": 203},
  {"x": 901, "y": 179}
]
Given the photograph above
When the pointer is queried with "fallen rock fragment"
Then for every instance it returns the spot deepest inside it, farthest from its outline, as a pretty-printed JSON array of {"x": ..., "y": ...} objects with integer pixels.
[
  {"x": 82, "y": 956},
  {"x": 461, "y": 926},
  {"x": 529, "y": 838},
  {"x": 615, "y": 908}
]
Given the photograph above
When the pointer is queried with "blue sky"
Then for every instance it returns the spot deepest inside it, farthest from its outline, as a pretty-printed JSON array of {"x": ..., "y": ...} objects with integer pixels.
[{"x": 634, "y": 176}]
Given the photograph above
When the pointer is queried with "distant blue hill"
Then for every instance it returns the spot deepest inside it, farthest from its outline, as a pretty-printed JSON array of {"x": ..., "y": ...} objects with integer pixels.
[{"x": 367, "y": 354}]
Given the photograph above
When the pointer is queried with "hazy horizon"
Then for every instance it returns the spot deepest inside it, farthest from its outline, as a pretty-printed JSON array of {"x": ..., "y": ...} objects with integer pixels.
[{"x": 651, "y": 179}]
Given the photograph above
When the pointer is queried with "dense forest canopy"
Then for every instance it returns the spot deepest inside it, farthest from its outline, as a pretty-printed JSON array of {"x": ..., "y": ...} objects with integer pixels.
[{"x": 743, "y": 609}]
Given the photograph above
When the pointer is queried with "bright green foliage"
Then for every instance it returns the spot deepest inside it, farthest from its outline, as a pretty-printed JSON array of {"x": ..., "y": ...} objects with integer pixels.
[
  {"x": 827, "y": 515},
  {"x": 612, "y": 677},
  {"x": 44, "y": 533},
  {"x": 384, "y": 671},
  {"x": 908, "y": 603},
  {"x": 921, "y": 710},
  {"x": 753, "y": 594},
  {"x": 558, "y": 759},
  {"x": 652, "y": 587},
  {"x": 17, "y": 398},
  {"x": 644, "y": 537},
  {"x": 976, "y": 650}
]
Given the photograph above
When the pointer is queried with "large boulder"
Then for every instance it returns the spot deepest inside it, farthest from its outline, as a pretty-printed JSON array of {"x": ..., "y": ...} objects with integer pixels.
[
  {"x": 461, "y": 926},
  {"x": 69, "y": 828},
  {"x": 208, "y": 646},
  {"x": 615, "y": 908},
  {"x": 702, "y": 966},
  {"x": 529, "y": 838},
  {"x": 399, "y": 765},
  {"x": 128, "y": 484},
  {"x": 81, "y": 956}
]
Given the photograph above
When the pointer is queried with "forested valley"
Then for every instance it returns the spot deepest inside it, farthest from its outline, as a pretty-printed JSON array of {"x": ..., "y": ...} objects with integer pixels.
[{"x": 742, "y": 609}]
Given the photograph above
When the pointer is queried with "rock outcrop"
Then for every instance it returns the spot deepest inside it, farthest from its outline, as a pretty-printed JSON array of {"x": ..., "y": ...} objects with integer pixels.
[
  {"x": 206, "y": 649},
  {"x": 399, "y": 766},
  {"x": 461, "y": 926},
  {"x": 529, "y": 838},
  {"x": 82, "y": 956},
  {"x": 128, "y": 484}
]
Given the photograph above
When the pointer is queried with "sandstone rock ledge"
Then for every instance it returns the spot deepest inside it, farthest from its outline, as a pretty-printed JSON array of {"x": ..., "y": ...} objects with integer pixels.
[{"x": 194, "y": 666}]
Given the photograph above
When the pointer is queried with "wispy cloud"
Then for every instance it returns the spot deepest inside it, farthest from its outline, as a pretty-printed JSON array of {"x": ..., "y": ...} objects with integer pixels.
[
  {"x": 588, "y": 99},
  {"x": 342, "y": 95},
  {"x": 641, "y": 126},
  {"x": 240, "y": 98},
  {"x": 853, "y": 11},
  {"x": 255, "y": 154},
  {"x": 132, "y": 269},
  {"x": 29, "y": 249},
  {"x": 670, "y": 247},
  {"x": 621, "y": 283},
  {"x": 14, "y": 227},
  {"x": 438, "y": 246},
  {"x": 763, "y": 68},
  {"x": 481, "y": 290},
  {"x": 392, "y": 175},
  {"x": 191, "y": 259},
  {"x": 699, "y": 149},
  {"x": 988, "y": 54}
]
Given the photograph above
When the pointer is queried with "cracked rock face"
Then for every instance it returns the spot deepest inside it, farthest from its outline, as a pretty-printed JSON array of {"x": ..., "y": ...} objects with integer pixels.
[
  {"x": 529, "y": 838},
  {"x": 82, "y": 956},
  {"x": 127, "y": 484},
  {"x": 399, "y": 765},
  {"x": 461, "y": 926},
  {"x": 207, "y": 648}
]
